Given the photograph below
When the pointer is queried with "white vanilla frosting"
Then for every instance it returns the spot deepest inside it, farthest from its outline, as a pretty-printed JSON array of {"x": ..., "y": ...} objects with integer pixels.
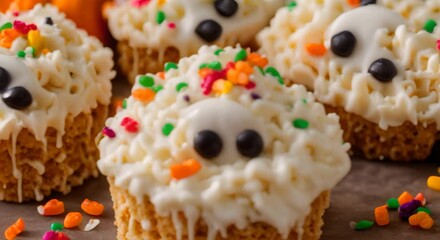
[
  {"x": 277, "y": 186},
  {"x": 389, "y": 29},
  {"x": 139, "y": 27},
  {"x": 69, "y": 74}
]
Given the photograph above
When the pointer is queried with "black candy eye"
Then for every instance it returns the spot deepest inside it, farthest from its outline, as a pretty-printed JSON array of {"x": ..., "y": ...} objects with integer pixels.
[
  {"x": 17, "y": 98},
  {"x": 383, "y": 70},
  {"x": 367, "y": 2},
  {"x": 209, "y": 30},
  {"x": 249, "y": 143},
  {"x": 343, "y": 43},
  {"x": 226, "y": 8},
  {"x": 208, "y": 144},
  {"x": 49, "y": 21},
  {"x": 5, "y": 79}
]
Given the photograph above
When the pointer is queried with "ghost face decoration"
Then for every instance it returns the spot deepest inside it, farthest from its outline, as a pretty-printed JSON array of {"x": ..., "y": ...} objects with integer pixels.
[
  {"x": 223, "y": 131},
  {"x": 352, "y": 39}
]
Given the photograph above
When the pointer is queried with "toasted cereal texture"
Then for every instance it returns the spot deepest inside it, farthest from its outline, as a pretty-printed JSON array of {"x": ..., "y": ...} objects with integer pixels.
[
  {"x": 406, "y": 142},
  {"x": 129, "y": 214},
  {"x": 61, "y": 168}
]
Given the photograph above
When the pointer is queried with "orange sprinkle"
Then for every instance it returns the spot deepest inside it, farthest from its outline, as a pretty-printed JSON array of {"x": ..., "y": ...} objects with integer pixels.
[
  {"x": 381, "y": 215},
  {"x": 354, "y": 3},
  {"x": 257, "y": 59},
  {"x": 7, "y": 36},
  {"x": 92, "y": 207},
  {"x": 117, "y": 103},
  {"x": 45, "y": 51},
  {"x": 15, "y": 229},
  {"x": 237, "y": 77},
  {"x": 185, "y": 169},
  {"x": 143, "y": 94},
  {"x": 316, "y": 49},
  {"x": 51, "y": 208},
  {"x": 73, "y": 219},
  {"x": 203, "y": 72},
  {"x": 421, "y": 198},
  {"x": 244, "y": 67},
  {"x": 161, "y": 75},
  {"x": 405, "y": 197}
]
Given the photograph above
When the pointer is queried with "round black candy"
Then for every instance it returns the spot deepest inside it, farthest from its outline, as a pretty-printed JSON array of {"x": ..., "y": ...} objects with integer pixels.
[
  {"x": 367, "y": 2},
  {"x": 249, "y": 143},
  {"x": 209, "y": 30},
  {"x": 343, "y": 43},
  {"x": 383, "y": 70},
  {"x": 17, "y": 97},
  {"x": 5, "y": 79},
  {"x": 49, "y": 21},
  {"x": 208, "y": 144},
  {"x": 226, "y": 8}
]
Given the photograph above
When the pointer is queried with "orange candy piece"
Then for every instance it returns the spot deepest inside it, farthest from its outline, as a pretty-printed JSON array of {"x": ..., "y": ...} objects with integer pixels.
[
  {"x": 15, "y": 229},
  {"x": 7, "y": 36},
  {"x": 354, "y": 3},
  {"x": 244, "y": 67},
  {"x": 257, "y": 59},
  {"x": 72, "y": 219},
  {"x": 237, "y": 77},
  {"x": 143, "y": 94},
  {"x": 185, "y": 169},
  {"x": 381, "y": 215},
  {"x": 51, "y": 208},
  {"x": 316, "y": 49},
  {"x": 421, "y": 198},
  {"x": 405, "y": 197},
  {"x": 92, "y": 207}
]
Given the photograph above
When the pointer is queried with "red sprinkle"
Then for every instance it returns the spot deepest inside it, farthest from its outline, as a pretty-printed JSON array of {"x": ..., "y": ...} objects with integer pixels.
[
  {"x": 250, "y": 85},
  {"x": 16, "y": 13},
  {"x": 23, "y": 27},
  {"x": 438, "y": 44},
  {"x": 171, "y": 25},
  {"x": 106, "y": 131},
  {"x": 209, "y": 80},
  {"x": 129, "y": 124},
  {"x": 139, "y": 3}
]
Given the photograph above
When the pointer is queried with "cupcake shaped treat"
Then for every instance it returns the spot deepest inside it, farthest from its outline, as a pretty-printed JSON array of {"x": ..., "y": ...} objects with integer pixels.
[
  {"x": 55, "y": 88},
  {"x": 219, "y": 148},
  {"x": 376, "y": 64},
  {"x": 152, "y": 32}
]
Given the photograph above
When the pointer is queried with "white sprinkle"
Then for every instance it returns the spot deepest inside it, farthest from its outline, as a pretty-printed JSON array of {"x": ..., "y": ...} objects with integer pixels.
[
  {"x": 91, "y": 224},
  {"x": 40, "y": 210}
]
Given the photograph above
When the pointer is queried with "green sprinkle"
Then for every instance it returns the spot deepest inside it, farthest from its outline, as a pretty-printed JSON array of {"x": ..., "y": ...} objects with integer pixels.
[
  {"x": 6, "y": 26},
  {"x": 218, "y": 51},
  {"x": 157, "y": 88},
  {"x": 361, "y": 225},
  {"x": 300, "y": 123},
  {"x": 30, "y": 50},
  {"x": 261, "y": 71},
  {"x": 146, "y": 81},
  {"x": 291, "y": 5},
  {"x": 393, "y": 203},
  {"x": 180, "y": 86},
  {"x": 203, "y": 65},
  {"x": 430, "y": 25},
  {"x": 21, "y": 54},
  {"x": 304, "y": 101},
  {"x": 167, "y": 129},
  {"x": 424, "y": 209},
  {"x": 274, "y": 72},
  {"x": 124, "y": 104},
  {"x": 170, "y": 65},
  {"x": 241, "y": 55},
  {"x": 215, "y": 65},
  {"x": 160, "y": 17},
  {"x": 56, "y": 226}
]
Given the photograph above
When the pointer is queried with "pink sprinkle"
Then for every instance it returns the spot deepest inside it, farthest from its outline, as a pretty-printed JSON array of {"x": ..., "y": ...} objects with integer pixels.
[
  {"x": 250, "y": 85},
  {"x": 23, "y": 27},
  {"x": 108, "y": 132},
  {"x": 129, "y": 124},
  {"x": 438, "y": 44},
  {"x": 209, "y": 80},
  {"x": 171, "y": 25},
  {"x": 53, "y": 235},
  {"x": 139, "y": 3},
  {"x": 15, "y": 13}
]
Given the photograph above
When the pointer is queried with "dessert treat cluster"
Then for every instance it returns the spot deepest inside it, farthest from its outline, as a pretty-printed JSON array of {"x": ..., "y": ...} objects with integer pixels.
[
  {"x": 150, "y": 33},
  {"x": 375, "y": 63},
  {"x": 55, "y": 88},
  {"x": 217, "y": 147}
]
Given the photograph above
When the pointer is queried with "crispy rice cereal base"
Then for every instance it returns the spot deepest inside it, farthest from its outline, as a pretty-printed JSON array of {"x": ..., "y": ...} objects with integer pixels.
[
  {"x": 79, "y": 163},
  {"x": 406, "y": 142},
  {"x": 135, "y": 61},
  {"x": 129, "y": 215}
]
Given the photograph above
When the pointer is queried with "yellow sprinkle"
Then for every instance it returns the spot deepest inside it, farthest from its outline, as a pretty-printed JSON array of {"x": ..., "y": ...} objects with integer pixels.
[
  {"x": 161, "y": 2},
  {"x": 35, "y": 40},
  {"x": 222, "y": 86},
  {"x": 434, "y": 182}
]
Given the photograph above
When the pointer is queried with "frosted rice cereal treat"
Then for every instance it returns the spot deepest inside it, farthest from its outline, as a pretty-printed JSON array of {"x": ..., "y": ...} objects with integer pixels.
[
  {"x": 55, "y": 88},
  {"x": 219, "y": 148},
  {"x": 375, "y": 63},
  {"x": 153, "y": 32}
]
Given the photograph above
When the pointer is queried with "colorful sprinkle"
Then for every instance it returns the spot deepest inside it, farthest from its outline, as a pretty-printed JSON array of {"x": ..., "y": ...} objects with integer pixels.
[
  {"x": 139, "y": 3},
  {"x": 316, "y": 49},
  {"x": 186, "y": 98},
  {"x": 51, "y": 208},
  {"x": 181, "y": 86},
  {"x": 24, "y": 28},
  {"x": 92, "y": 224},
  {"x": 257, "y": 60},
  {"x": 129, "y": 124},
  {"x": 160, "y": 17},
  {"x": 157, "y": 88},
  {"x": 216, "y": 65},
  {"x": 361, "y": 225},
  {"x": 124, "y": 104},
  {"x": 434, "y": 183},
  {"x": 170, "y": 65},
  {"x": 7, "y": 36},
  {"x": 171, "y": 25},
  {"x": 92, "y": 207},
  {"x": 354, "y": 3},
  {"x": 167, "y": 129},
  {"x": 430, "y": 25},
  {"x": 144, "y": 95},
  {"x": 15, "y": 229},
  {"x": 300, "y": 123},
  {"x": 241, "y": 55},
  {"x": 393, "y": 203},
  {"x": 274, "y": 72},
  {"x": 6, "y": 26},
  {"x": 438, "y": 44},
  {"x": 55, "y": 235},
  {"x": 106, "y": 131},
  {"x": 291, "y": 5},
  {"x": 185, "y": 169},
  {"x": 21, "y": 54},
  {"x": 35, "y": 40},
  {"x": 161, "y": 75},
  {"x": 218, "y": 51},
  {"x": 146, "y": 81},
  {"x": 56, "y": 226},
  {"x": 255, "y": 96},
  {"x": 222, "y": 86},
  {"x": 73, "y": 219}
]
